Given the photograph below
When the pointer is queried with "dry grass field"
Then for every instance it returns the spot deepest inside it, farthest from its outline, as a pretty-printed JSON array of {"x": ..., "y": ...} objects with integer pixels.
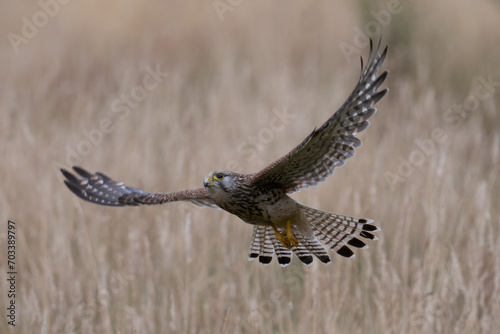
[{"x": 157, "y": 94}]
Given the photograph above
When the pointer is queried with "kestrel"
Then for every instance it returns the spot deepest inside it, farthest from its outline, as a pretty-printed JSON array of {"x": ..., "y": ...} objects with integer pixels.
[{"x": 281, "y": 224}]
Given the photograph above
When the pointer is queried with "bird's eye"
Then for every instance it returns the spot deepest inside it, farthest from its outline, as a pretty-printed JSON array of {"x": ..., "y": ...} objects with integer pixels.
[{"x": 218, "y": 176}]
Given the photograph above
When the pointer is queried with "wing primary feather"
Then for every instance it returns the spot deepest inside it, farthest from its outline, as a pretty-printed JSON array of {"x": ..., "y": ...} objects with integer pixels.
[
  {"x": 82, "y": 172},
  {"x": 303, "y": 167},
  {"x": 100, "y": 189}
]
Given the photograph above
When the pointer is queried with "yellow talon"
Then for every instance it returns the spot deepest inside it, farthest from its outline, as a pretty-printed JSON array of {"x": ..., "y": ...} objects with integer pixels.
[
  {"x": 281, "y": 237},
  {"x": 289, "y": 234},
  {"x": 287, "y": 238}
]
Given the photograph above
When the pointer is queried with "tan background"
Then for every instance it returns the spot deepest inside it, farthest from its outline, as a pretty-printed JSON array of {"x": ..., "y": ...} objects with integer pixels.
[{"x": 183, "y": 269}]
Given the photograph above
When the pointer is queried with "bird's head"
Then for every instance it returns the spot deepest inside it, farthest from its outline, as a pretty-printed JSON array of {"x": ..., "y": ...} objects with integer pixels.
[{"x": 219, "y": 184}]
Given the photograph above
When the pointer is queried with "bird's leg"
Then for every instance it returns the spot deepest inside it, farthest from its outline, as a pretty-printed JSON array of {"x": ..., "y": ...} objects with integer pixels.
[
  {"x": 289, "y": 234},
  {"x": 281, "y": 237},
  {"x": 286, "y": 238}
]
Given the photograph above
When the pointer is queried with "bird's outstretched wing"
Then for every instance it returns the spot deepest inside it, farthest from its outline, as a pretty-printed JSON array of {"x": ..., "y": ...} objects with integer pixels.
[
  {"x": 328, "y": 147},
  {"x": 100, "y": 189}
]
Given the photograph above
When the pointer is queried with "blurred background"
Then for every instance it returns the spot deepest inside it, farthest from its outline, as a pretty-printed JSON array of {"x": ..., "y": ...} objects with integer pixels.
[{"x": 158, "y": 94}]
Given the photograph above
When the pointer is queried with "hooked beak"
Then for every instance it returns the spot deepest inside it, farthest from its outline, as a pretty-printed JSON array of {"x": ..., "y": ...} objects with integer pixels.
[{"x": 208, "y": 182}]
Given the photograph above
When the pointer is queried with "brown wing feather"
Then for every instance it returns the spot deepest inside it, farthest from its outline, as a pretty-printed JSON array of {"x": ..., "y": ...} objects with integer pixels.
[
  {"x": 100, "y": 189},
  {"x": 328, "y": 147}
]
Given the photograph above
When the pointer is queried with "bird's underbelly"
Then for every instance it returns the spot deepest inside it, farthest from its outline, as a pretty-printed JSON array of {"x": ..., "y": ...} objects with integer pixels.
[
  {"x": 281, "y": 211},
  {"x": 267, "y": 212}
]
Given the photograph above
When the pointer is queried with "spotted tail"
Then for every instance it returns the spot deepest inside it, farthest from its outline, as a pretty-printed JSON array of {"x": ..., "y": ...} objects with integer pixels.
[{"x": 334, "y": 231}]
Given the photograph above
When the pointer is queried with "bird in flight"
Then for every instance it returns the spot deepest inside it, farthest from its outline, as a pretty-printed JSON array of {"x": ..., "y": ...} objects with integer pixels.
[{"x": 282, "y": 226}]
